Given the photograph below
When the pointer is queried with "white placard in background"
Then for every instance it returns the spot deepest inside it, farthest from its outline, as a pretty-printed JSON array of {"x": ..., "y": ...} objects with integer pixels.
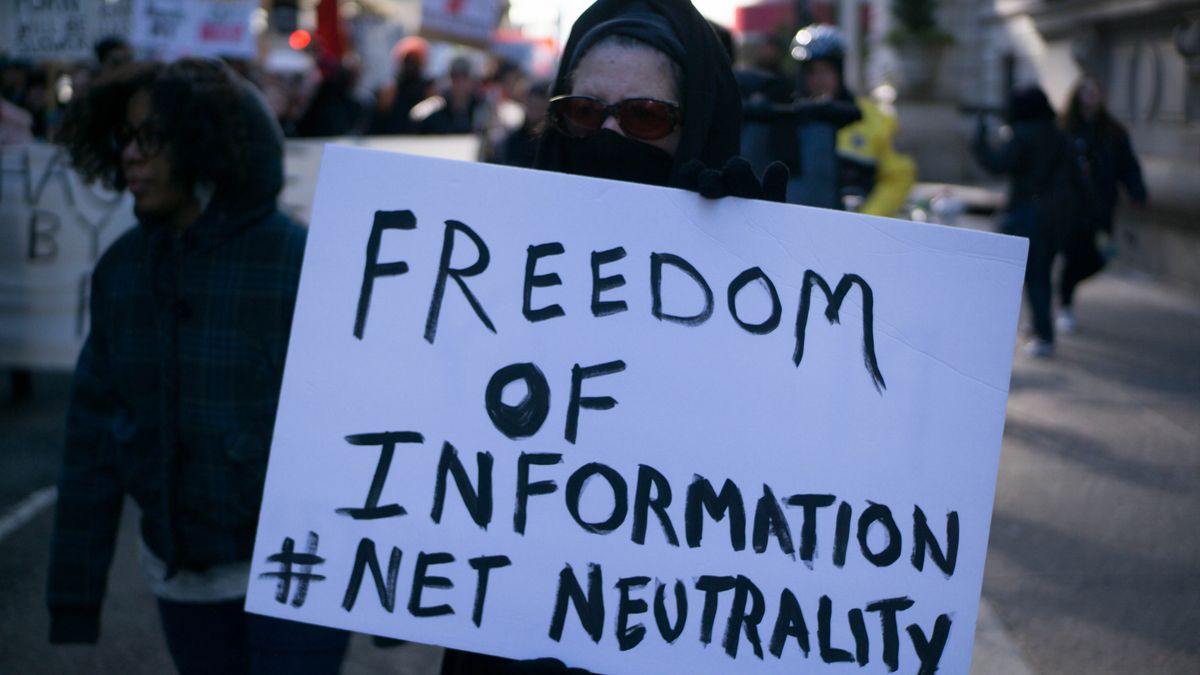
[
  {"x": 53, "y": 229},
  {"x": 817, "y": 492},
  {"x": 468, "y": 21},
  {"x": 39, "y": 30},
  {"x": 171, "y": 29}
]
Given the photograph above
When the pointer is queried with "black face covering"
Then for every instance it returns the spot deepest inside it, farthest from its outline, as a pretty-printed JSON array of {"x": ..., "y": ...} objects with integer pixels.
[{"x": 607, "y": 154}]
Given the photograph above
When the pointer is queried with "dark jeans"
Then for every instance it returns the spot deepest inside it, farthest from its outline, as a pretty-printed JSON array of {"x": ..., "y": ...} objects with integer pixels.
[
  {"x": 222, "y": 638},
  {"x": 1021, "y": 221}
]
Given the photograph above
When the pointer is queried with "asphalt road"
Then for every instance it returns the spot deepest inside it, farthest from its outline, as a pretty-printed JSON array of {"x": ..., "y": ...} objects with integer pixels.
[{"x": 1093, "y": 563}]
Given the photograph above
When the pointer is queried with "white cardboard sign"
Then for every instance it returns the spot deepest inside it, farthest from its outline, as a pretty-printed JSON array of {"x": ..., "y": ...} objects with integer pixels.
[
  {"x": 53, "y": 229},
  {"x": 41, "y": 30},
  {"x": 171, "y": 29},
  {"x": 532, "y": 414},
  {"x": 470, "y": 21}
]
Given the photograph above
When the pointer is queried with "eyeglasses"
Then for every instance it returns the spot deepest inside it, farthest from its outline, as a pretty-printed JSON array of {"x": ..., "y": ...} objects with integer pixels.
[
  {"x": 148, "y": 137},
  {"x": 646, "y": 119}
]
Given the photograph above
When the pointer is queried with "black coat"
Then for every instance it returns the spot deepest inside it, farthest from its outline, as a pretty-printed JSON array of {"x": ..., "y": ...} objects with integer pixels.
[
  {"x": 1106, "y": 157},
  {"x": 1042, "y": 173}
]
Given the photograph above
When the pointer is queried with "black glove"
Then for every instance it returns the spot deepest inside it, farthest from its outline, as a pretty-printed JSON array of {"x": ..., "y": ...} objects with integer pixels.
[
  {"x": 736, "y": 179},
  {"x": 549, "y": 666}
]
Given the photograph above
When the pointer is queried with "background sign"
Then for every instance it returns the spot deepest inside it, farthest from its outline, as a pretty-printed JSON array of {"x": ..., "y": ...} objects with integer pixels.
[
  {"x": 214, "y": 28},
  {"x": 465, "y": 21},
  {"x": 53, "y": 228},
  {"x": 533, "y": 414},
  {"x": 64, "y": 29}
]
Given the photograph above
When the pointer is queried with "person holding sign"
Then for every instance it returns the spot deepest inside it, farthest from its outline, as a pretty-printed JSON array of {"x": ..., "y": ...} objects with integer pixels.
[
  {"x": 645, "y": 93},
  {"x": 176, "y": 388}
]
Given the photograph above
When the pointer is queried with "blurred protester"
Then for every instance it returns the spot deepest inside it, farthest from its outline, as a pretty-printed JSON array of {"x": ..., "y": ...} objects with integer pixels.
[
  {"x": 394, "y": 102},
  {"x": 799, "y": 132},
  {"x": 504, "y": 95},
  {"x": 761, "y": 77},
  {"x": 873, "y": 178},
  {"x": 335, "y": 108},
  {"x": 111, "y": 52},
  {"x": 457, "y": 110},
  {"x": 287, "y": 78},
  {"x": 1106, "y": 159},
  {"x": 519, "y": 148},
  {"x": 175, "y": 391},
  {"x": 1045, "y": 188}
]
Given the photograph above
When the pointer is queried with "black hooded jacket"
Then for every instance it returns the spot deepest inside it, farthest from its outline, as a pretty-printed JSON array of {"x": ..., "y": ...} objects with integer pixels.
[
  {"x": 175, "y": 392},
  {"x": 710, "y": 102},
  {"x": 1039, "y": 161}
]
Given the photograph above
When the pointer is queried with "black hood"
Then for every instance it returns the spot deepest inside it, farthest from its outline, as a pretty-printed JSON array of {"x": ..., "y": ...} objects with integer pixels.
[
  {"x": 234, "y": 208},
  {"x": 712, "y": 108},
  {"x": 262, "y": 155},
  {"x": 1028, "y": 103}
]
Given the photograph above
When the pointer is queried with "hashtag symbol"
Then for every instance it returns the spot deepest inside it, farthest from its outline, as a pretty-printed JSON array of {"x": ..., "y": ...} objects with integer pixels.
[{"x": 296, "y": 566}]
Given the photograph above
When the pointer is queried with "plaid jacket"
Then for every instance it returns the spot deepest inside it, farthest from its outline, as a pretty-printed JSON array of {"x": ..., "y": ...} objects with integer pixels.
[{"x": 173, "y": 401}]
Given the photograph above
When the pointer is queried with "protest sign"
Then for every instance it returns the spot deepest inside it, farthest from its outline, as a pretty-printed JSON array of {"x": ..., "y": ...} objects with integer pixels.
[
  {"x": 48, "y": 30},
  {"x": 53, "y": 228},
  {"x": 532, "y": 414},
  {"x": 171, "y": 29},
  {"x": 465, "y": 21},
  {"x": 59, "y": 29}
]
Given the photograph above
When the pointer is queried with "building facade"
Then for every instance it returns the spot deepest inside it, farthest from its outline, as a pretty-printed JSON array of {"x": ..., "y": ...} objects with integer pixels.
[{"x": 1146, "y": 53}]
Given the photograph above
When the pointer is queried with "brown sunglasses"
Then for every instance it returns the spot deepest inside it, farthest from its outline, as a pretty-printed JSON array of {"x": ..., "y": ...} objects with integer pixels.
[{"x": 646, "y": 119}]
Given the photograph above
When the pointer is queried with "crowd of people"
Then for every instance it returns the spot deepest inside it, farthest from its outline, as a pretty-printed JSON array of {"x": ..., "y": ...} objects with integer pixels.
[{"x": 175, "y": 392}]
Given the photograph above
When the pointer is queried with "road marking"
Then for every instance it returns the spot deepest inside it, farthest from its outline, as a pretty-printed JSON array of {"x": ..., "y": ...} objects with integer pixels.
[
  {"x": 995, "y": 652},
  {"x": 25, "y": 511}
]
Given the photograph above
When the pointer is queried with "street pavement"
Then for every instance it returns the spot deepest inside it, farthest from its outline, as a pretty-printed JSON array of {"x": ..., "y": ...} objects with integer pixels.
[{"x": 1093, "y": 563}]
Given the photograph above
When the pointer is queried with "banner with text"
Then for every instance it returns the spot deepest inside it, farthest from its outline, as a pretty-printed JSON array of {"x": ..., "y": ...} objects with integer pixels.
[
  {"x": 169, "y": 29},
  {"x": 532, "y": 414},
  {"x": 467, "y": 21},
  {"x": 53, "y": 229},
  {"x": 63, "y": 29}
]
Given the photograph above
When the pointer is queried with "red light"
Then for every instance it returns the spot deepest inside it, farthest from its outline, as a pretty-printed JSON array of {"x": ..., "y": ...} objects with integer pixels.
[{"x": 299, "y": 39}]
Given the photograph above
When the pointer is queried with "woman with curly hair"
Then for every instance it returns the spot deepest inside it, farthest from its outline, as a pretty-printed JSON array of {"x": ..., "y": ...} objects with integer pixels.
[{"x": 175, "y": 391}]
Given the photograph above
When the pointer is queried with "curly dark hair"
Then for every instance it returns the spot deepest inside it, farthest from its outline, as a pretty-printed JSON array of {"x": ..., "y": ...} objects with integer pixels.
[{"x": 199, "y": 113}]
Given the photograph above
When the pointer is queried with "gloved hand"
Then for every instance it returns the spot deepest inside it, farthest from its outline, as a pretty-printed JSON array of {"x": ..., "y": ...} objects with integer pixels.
[
  {"x": 736, "y": 179},
  {"x": 549, "y": 666}
]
